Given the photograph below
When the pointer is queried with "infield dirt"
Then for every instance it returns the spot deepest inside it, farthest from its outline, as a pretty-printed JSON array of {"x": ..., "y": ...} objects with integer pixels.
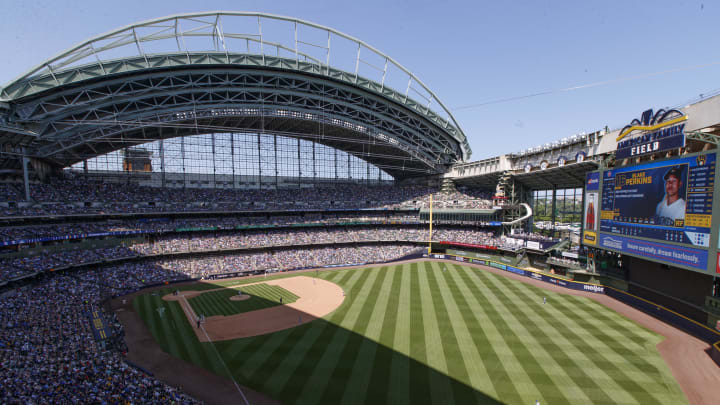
[{"x": 318, "y": 298}]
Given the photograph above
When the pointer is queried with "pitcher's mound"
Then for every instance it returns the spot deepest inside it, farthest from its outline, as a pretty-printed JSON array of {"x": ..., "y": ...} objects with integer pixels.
[{"x": 240, "y": 297}]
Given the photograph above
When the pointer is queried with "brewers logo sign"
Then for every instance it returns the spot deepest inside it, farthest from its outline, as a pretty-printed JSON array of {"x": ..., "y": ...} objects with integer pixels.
[{"x": 658, "y": 132}]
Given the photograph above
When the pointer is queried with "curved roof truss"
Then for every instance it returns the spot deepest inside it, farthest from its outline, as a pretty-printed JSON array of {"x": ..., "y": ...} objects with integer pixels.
[{"x": 190, "y": 74}]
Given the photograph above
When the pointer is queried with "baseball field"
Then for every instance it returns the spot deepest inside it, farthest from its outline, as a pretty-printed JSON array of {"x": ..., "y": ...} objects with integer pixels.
[{"x": 424, "y": 332}]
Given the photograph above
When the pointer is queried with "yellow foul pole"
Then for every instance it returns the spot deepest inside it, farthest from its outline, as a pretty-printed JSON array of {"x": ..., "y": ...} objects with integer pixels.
[{"x": 430, "y": 233}]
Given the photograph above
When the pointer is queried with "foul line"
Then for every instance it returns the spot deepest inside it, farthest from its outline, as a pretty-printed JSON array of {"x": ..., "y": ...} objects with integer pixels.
[{"x": 218, "y": 355}]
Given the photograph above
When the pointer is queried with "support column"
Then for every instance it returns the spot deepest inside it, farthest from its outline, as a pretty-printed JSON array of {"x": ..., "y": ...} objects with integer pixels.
[
  {"x": 314, "y": 165},
  {"x": 212, "y": 141},
  {"x": 162, "y": 162},
  {"x": 276, "y": 160},
  {"x": 259, "y": 163},
  {"x": 26, "y": 178},
  {"x": 367, "y": 173},
  {"x": 299, "y": 169},
  {"x": 232, "y": 158},
  {"x": 552, "y": 213}
]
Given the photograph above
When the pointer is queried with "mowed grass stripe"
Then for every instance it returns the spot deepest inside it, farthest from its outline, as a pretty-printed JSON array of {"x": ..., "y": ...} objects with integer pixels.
[
  {"x": 284, "y": 358},
  {"x": 328, "y": 346},
  {"x": 440, "y": 387},
  {"x": 351, "y": 358},
  {"x": 643, "y": 343},
  {"x": 188, "y": 345},
  {"x": 520, "y": 339},
  {"x": 350, "y": 354},
  {"x": 379, "y": 383},
  {"x": 574, "y": 313},
  {"x": 365, "y": 357},
  {"x": 146, "y": 310},
  {"x": 311, "y": 385},
  {"x": 650, "y": 380},
  {"x": 545, "y": 351},
  {"x": 467, "y": 365},
  {"x": 622, "y": 327},
  {"x": 596, "y": 349},
  {"x": 633, "y": 336},
  {"x": 501, "y": 362},
  {"x": 162, "y": 324},
  {"x": 419, "y": 376},
  {"x": 481, "y": 330},
  {"x": 215, "y": 304},
  {"x": 399, "y": 392},
  {"x": 261, "y": 296},
  {"x": 452, "y": 328},
  {"x": 618, "y": 349},
  {"x": 552, "y": 334}
]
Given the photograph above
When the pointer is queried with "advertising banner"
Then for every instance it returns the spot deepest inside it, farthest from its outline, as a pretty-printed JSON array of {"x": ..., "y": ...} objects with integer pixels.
[
  {"x": 643, "y": 146},
  {"x": 591, "y": 209},
  {"x": 717, "y": 263},
  {"x": 98, "y": 325},
  {"x": 531, "y": 244},
  {"x": 498, "y": 265},
  {"x": 672, "y": 254},
  {"x": 669, "y": 201},
  {"x": 655, "y": 131},
  {"x": 72, "y": 236}
]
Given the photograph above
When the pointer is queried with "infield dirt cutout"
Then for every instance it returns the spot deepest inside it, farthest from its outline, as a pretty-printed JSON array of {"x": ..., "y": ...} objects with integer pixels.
[{"x": 318, "y": 298}]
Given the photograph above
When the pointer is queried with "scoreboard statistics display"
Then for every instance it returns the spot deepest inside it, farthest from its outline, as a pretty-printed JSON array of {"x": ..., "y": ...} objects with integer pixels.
[{"x": 669, "y": 201}]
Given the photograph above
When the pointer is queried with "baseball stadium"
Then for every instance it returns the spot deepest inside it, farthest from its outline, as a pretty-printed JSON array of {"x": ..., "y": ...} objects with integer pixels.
[{"x": 248, "y": 208}]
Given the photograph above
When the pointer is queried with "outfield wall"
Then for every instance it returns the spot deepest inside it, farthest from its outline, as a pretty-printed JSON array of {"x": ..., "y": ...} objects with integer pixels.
[
  {"x": 676, "y": 284},
  {"x": 668, "y": 316},
  {"x": 534, "y": 274}
]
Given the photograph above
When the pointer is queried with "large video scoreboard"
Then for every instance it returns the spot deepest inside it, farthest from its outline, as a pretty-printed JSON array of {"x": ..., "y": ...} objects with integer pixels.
[{"x": 660, "y": 210}]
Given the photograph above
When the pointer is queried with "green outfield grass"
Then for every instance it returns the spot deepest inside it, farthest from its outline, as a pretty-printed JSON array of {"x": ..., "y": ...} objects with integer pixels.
[
  {"x": 261, "y": 296},
  {"x": 415, "y": 334}
]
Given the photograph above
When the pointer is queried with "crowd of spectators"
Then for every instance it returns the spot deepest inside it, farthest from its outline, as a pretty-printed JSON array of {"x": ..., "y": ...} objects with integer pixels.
[
  {"x": 567, "y": 261},
  {"x": 48, "y": 353},
  {"x": 159, "y": 225},
  {"x": 203, "y": 241},
  {"x": 534, "y": 237},
  {"x": 278, "y": 260},
  {"x": 77, "y": 195},
  {"x": 13, "y": 267},
  {"x": 10, "y": 193}
]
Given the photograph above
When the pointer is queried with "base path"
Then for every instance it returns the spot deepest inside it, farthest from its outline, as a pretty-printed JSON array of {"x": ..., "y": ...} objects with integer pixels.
[{"x": 318, "y": 298}]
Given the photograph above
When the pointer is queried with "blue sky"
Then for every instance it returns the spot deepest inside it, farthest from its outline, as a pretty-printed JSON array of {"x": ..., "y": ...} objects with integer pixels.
[{"x": 468, "y": 52}]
